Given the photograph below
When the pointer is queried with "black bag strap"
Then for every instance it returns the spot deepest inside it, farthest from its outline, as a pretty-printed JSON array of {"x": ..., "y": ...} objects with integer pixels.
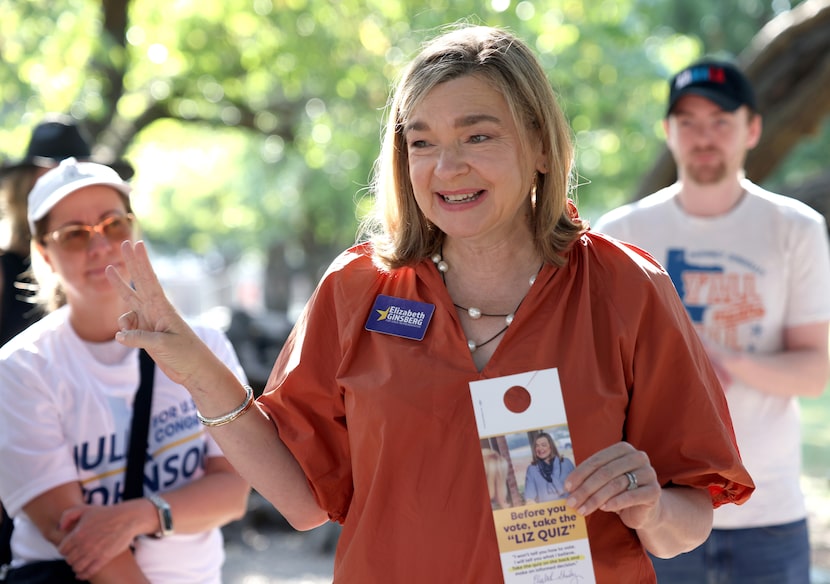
[
  {"x": 6, "y": 539},
  {"x": 137, "y": 454}
]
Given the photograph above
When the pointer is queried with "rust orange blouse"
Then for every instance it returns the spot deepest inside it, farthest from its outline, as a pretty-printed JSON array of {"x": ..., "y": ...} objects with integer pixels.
[{"x": 384, "y": 427}]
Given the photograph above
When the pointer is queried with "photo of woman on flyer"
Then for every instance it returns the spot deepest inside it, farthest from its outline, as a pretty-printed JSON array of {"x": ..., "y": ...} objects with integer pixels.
[{"x": 545, "y": 478}]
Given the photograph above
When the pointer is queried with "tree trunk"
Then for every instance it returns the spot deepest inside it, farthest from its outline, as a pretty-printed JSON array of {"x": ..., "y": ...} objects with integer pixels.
[
  {"x": 278, "y": 274},
  {"x": 514, "y": 496}
]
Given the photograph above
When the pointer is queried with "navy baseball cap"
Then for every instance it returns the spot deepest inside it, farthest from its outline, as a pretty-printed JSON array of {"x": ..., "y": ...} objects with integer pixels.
[{"x": 718, "y": 81}]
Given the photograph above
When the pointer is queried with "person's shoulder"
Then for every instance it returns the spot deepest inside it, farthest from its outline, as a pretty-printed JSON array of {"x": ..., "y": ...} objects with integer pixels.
[
  {"x": 349, "y": 276},
  {"x": 788, "y": 207},
  {"x": 642, "y": 209},
  {"x": 38, "y": 339},
  {"x": 356, "y": 257},
  {"x": 625, "y": 275},
  {"x": 625, "y": 281},
  {"x": 352, "y": 265},
  {"x": 609, "y": 254}
]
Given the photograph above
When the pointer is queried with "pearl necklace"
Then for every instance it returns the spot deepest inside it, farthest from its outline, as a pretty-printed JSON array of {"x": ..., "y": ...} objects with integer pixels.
[{"x": 476, "y": 313}]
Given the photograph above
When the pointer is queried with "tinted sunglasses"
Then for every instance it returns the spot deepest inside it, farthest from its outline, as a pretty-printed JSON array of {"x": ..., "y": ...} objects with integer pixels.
[{"x": 116, "y": 228}]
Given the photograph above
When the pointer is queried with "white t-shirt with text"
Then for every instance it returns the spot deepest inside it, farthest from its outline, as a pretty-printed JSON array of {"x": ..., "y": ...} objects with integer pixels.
[
  {"x": 744, "y": 277},
  {"x": 65, "y": 415}
]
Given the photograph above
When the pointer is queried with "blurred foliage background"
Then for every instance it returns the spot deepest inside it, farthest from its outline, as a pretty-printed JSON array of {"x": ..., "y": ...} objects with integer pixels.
[{"x": 254, "y": 124}]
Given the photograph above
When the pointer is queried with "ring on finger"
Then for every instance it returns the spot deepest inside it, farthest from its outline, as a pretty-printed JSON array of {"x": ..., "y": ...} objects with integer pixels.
[{"x": 632, "y": 481}]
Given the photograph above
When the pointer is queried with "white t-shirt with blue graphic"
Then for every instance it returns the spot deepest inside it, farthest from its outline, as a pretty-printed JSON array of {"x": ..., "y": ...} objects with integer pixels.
[{"x": 744, "y": 277}]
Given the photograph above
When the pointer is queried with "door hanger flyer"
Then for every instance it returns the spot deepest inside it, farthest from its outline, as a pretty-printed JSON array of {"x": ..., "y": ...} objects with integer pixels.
[{"x": 527, "y": 453}]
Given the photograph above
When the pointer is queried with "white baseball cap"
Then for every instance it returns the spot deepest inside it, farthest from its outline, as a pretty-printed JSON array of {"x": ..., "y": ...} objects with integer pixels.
[{"x": 66, "y": 178}]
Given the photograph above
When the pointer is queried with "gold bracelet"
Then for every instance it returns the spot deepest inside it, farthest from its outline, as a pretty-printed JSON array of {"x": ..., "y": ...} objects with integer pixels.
[{"x": 232, "y": 415}]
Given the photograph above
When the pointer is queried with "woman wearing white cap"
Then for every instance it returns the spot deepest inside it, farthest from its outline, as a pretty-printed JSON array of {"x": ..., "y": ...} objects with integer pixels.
[
  {"x": 67, "y": 392},
  {"x": 55, "y": 138}
]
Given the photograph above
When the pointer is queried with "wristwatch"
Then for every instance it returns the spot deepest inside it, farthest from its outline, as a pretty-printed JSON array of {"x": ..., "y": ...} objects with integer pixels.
[{"x": 165, "y": 516}]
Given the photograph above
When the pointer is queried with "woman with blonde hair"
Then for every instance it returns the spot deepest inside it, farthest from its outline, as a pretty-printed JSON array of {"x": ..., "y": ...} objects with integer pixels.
[
  {"x": 496, "y": 467},
  {"x": 476, "y": 267},
  {"x": 68, "y": 396},
  {"x": 55, "y": 138},
  {"x": 545, "y": 477}
]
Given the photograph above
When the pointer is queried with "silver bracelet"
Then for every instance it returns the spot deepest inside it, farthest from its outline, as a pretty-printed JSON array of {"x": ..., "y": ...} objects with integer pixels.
[{"x": 232, "y": 415}]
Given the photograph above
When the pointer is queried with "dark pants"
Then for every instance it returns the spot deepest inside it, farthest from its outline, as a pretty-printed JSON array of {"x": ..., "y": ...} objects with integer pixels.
[{"x": 779, "y": 554}]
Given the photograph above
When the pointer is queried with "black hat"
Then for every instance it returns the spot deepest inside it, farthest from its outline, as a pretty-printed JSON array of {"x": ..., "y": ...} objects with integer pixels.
[
  {"x": 55, "y": 139},
  {"x": 718, "y": 81}
]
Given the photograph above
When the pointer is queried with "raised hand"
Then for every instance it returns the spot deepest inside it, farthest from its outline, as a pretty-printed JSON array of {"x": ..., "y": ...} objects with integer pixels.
[{"x": 153, "y": 323}]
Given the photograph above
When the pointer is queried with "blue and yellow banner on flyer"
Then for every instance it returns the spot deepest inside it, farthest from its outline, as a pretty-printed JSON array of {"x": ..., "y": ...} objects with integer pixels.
[{"x": 527, "y": 454}]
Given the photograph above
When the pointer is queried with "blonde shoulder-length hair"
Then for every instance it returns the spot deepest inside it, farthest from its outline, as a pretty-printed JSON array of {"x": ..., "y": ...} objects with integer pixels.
[{"x": 400, "y": 233}]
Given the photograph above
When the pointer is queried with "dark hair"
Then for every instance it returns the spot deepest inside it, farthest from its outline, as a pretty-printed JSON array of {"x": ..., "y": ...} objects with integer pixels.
[{"x": 15, "y": 186}]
